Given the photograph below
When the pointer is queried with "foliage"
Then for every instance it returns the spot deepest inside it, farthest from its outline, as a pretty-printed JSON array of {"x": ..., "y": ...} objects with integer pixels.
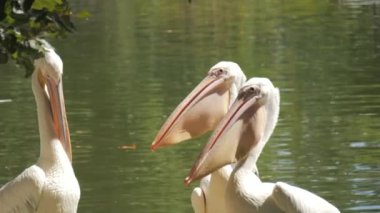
[{"x": 24, "y": 22}]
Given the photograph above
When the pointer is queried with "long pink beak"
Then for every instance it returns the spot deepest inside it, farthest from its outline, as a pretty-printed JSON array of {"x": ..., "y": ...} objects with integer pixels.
[
  {"x": 239, "y": 131},
  {"x": 57, "y": 103},
  {"x": 198, "y": 113}
]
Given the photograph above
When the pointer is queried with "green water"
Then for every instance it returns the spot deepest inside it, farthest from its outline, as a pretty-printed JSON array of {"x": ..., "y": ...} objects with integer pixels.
[{"x": 132, "y": 62}]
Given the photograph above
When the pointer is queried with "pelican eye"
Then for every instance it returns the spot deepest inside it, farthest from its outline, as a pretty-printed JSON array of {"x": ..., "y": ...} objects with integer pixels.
[
  {"x": 217, "y": 72},
  {"x": 253, "y": 89}
]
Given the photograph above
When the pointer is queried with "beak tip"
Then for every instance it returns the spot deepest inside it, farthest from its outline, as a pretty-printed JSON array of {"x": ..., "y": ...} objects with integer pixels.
[
  {"x": 154, "y": 146},
  {"x": 188, "y": 181}
]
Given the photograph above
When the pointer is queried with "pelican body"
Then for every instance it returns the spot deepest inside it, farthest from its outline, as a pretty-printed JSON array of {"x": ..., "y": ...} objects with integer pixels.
[
  {"x": 194, "y": 117},
  {"x": 49, "y": 185},
  {"x": 240, "y": 137}
]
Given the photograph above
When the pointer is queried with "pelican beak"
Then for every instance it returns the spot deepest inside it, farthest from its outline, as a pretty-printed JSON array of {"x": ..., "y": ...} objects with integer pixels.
[
  {"x": 238, "y": 132},
  {"x": 198, "y": 113},
  {"x": 57, "y": 103}
]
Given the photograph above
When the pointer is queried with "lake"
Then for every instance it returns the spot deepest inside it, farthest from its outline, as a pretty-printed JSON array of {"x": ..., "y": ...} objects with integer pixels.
[{"x": 131, "y": 62}]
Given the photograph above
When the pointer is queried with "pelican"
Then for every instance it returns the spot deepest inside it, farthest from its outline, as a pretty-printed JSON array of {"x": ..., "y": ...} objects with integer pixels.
[
  {"x": 49, "y": 185},
  {"x": 240, "y": 137},
  {"x": 197, "y": 114}
]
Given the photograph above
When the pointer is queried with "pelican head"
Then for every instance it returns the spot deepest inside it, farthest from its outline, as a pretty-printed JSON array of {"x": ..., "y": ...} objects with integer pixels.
[
  {"x": 243, "y": 131},
  {"x": 204, "y": 107},
  {"x": 49, "y": 70}
]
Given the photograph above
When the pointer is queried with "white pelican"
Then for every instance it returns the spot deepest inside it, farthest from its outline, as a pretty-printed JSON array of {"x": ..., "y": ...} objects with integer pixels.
[
  {"x": 49, "y": 185},
  {"x": 197, "y": 114},
  {"x": 241, "y": 136}
]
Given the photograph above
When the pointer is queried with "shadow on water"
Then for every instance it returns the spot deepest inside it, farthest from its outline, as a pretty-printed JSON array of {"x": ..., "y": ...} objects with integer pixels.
[{"x": 132, "y": 62}]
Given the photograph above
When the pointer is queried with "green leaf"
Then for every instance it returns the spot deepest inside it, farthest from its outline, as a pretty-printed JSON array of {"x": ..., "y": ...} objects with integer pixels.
[
  {"x": 46, "y": 4},
  {"x": 26, "y": 21}
]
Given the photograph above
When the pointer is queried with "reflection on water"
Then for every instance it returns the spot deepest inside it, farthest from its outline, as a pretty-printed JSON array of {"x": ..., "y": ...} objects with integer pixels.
[{"x": 132, "y": 62}]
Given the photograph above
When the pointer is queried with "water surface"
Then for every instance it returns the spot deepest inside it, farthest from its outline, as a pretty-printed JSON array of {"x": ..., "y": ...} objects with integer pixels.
[{"x": 132, "y": 62}]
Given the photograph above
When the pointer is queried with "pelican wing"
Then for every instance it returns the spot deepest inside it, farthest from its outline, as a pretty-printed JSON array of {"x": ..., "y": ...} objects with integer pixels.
[
  {"x": 293, "y": 199},
  {"x": 22, "y": 194}
]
